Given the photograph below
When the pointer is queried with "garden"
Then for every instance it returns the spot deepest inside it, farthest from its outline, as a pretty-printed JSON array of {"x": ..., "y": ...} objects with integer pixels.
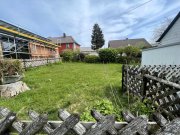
[{"x": 77, "y": 87}]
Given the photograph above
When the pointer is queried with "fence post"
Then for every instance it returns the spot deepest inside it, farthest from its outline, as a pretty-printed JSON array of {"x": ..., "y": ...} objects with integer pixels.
[
  {"x": 47, "y": 61},
  {"x": 143, "y": 87},
  {"x": 24, "y": 62},
  {"x": 123, "y": 90}
]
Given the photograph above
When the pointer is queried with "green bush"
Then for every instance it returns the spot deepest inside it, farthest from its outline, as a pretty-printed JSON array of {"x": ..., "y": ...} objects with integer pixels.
[
  {"x": 121, "y": 59},
  {"x": 108, "y": 55},
  {"x": 75, "y": 57},
  {"x": 81, "y": 57},
  {"x": 127, "y": 60},
  {"x": 67, "y": 55},
  {"x": 132, "y": 51},
  {"x": 91, "y": 59}
]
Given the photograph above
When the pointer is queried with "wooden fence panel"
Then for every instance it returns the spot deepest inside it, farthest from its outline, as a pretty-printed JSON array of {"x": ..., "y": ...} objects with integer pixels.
[
  {"x": 158, "y": 83},
  {"x": 28, "y": 63},
  {"x": 104, "y": 125}
]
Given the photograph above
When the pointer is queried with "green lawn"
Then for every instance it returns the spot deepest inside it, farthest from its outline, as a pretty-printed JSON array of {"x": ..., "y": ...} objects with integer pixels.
[{"x": 74, "y": 86}]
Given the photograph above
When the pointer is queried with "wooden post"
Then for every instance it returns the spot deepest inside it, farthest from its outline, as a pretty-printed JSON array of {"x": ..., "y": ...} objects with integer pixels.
[
  {"x": 47, "y": 61},
  {"x": 24, "y": 62},
  {"x": 143, "y": 87},
  {"x": 123, "y": 79},
  {"x": 1, "y": 52}
]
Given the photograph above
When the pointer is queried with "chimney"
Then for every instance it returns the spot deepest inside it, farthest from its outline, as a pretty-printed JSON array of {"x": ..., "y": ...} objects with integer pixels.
[{"x": 64, "y": 35}]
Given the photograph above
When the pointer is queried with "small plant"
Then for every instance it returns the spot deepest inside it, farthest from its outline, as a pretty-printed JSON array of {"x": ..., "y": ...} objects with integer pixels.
[
  {"x": 140, "y": 108},
  {"x": 104, "y": 106},
  {"x": 91, "y": 59}
]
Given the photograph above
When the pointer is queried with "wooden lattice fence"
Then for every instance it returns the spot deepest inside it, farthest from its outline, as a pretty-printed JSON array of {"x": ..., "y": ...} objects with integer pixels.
[
  {"x": 160, "y": 84},
  {"x": 104, "y": 125}
]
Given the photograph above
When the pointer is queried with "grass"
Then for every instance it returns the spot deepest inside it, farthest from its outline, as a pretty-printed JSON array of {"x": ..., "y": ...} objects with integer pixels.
[{"x": 73, "y": 86}]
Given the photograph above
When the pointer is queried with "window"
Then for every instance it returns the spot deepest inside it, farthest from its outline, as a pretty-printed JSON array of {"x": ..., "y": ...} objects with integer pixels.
[{"x": 67, "y": 45}]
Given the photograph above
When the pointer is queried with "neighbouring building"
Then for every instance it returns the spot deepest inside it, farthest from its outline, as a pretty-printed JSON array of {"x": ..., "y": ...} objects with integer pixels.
[
  {"x": 139, "y": 42},
  {"x": 88, "y": 50},
  {"x": 22, "y": 44},
  {"x": 65, "y": 42},
  {"x": 167, "y": 52}
]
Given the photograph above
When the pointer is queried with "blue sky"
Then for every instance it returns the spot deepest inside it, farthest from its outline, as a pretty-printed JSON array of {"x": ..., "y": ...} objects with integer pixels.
[{"x": 118, "y": 19}]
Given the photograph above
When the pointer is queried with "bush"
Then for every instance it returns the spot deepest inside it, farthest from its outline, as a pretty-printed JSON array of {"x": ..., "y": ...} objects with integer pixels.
[
  {"x": 75, "y": 57},
  {"x": 81, "y": 57},
  {"x": 121, "y": 59},
  {"x": 108, "y": 55},
  {"x": 132, "y": 51},
  {"x": 91, "y": 59},
  {"x": 127, "y": 60},
  {"x": 10, "y": 67},
  {"x": 67, "y": 55}
]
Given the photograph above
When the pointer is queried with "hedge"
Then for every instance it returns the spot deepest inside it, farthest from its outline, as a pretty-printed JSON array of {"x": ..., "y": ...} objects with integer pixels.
[
  {"x": 108, "y": 55},
  {"x": 91, "y": 59}
]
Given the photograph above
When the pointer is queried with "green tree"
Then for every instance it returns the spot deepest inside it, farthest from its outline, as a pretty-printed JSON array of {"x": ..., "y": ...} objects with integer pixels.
[{"x": 97, "y": 36}]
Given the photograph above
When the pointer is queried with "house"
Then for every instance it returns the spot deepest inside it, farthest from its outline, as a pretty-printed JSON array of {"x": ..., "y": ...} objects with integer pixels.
[
  {"x": 167, "y": 52},
  {"x": 22, "y": 44},
  {"x": 139, "y": 42},
  {"x": 65, "y": 42},
  {"x": 88, "y": 50}
]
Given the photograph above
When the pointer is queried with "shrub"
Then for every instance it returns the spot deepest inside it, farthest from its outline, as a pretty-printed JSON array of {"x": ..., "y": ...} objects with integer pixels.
[
  {"x": 75, "y": 57},
  {"x": 67, "y": 55},
  {"x": 120, "y": 50},
  {"x": 132, "y": 51},
  {"x": 10, "y": 67},
  {"x": 81, "y": 56},
  {"x": 121, "y": 59},
  {"x": 108, "y": 55},
  {"x": 91, "y": 59}
]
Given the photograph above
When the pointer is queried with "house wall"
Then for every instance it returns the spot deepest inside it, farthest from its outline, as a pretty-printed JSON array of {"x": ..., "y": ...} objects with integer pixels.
[
  {"x": 38, "y": 50},
  {"x": 165, "y": 55},
  {"x": 72, "y": 46},
  {"x": 173, "y": 35}
]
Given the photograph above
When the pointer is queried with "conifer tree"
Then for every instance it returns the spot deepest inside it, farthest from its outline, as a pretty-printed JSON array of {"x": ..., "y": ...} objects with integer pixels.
[{"x": 97, "y": 36}]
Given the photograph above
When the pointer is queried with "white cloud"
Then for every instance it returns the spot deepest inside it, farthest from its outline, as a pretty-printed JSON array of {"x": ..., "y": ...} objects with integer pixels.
[{"x": 117, "y": 18}]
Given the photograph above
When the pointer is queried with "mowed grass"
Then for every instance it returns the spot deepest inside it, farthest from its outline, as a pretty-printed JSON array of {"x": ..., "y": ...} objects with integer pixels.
[{"x": 73, "y": 86}]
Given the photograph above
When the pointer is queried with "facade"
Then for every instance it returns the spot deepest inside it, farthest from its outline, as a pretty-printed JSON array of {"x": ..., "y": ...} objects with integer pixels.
[
  {"x": 140, "y": 43},
  {"x": 88, "y": 50},
  {"x": 65, "y": 42},
  {"x": 22, "y": 44},
  {"x": 167, "y": 52}
]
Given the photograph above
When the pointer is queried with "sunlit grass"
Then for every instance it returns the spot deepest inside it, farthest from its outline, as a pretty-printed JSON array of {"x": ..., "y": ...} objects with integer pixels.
[{"x": 73, "y": 86}]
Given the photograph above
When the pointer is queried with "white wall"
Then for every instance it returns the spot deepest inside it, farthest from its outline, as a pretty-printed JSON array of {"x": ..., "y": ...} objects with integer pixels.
[
  {"x": 166, "y": 55},
  {"x": 173, "y": 35}
]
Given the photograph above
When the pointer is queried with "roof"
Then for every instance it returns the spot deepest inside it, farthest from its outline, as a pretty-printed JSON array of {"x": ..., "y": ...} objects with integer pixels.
[
  {"x": 61, "y": 40},
  {"x": 140, "y": 42},
  {"x": 169, "y": 27},
  {"x": 7, "y": 27},
  {"x": 86, "y": 49}
]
